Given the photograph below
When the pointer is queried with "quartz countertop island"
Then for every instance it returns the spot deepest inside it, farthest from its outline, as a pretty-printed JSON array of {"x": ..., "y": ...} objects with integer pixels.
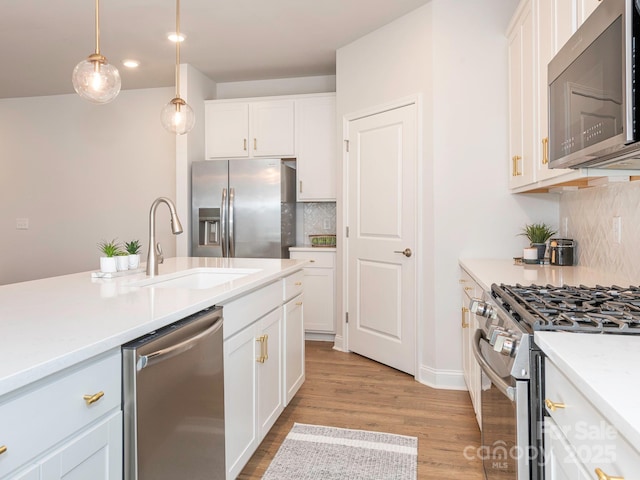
[{"x": 50, "y": 324}]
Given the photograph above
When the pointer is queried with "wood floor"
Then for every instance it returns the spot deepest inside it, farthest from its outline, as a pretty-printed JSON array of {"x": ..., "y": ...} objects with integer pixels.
[{"x": 349, "y": 391}]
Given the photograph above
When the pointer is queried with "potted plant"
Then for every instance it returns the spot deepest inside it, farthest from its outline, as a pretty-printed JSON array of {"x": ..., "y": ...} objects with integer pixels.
[
  {"x": 538, "y": 234},
  {"x": 122, "y": 261},
  {"x": 108, "y": 260},
  {"x": 133, "y": 249}
]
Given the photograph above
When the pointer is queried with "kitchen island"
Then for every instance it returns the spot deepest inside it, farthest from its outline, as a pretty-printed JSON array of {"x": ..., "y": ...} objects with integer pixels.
[{"x": 60, "y": 334}]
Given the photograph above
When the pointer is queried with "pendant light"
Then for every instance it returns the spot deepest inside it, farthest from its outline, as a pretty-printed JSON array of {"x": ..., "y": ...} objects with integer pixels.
[
  {"x": 94, "y": 79},
  {"x": 177, "y": 116}
]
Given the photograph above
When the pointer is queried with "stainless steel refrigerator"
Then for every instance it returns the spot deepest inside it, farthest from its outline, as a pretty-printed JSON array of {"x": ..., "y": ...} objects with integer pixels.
[{"x": 243, "y": 208}]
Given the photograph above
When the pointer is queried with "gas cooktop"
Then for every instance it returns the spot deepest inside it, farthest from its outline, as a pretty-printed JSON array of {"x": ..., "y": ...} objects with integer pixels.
[{"x": 576, "y": 309}]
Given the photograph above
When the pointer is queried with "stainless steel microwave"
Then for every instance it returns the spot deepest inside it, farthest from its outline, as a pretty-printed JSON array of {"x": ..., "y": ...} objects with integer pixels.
[{"x": 592, "y": 91}]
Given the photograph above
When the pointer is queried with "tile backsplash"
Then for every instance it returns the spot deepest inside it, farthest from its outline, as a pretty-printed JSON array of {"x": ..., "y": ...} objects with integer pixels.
[
  {"x": 588, "y": 216},
  {"x": 317, "y": 218}
]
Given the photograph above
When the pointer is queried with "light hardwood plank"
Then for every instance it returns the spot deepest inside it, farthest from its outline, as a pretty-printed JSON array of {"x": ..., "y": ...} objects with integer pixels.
[{"x": 349, "y": 391}]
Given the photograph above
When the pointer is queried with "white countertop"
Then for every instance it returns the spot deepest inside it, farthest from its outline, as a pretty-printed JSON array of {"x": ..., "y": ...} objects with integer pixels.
[
  {"x": 50, "y": 324},
  {"x": 488, "y": 271},
  {"x": 605, "y": 369}
]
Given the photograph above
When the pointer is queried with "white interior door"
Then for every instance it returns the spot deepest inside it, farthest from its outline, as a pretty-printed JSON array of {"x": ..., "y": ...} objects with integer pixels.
[{"x": 382, "y": 177}]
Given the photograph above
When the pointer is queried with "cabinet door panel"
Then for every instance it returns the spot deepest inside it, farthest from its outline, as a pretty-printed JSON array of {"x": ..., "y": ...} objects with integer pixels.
[
  {"x": 227, "y": 130},
  {"x": 316, "y": 149},
  {"x": 241, "y": 437},
  {"x": 94, "y": 454},
  {"x": 294, "y": 347},
  {"x": 272, "y": 128},
  {"x": 319, "y": 312},
  {"x": 270, "y": 398}
]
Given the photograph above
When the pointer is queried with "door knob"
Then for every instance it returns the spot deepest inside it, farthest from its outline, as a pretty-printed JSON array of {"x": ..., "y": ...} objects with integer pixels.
[{"x": 406, "y": 252}]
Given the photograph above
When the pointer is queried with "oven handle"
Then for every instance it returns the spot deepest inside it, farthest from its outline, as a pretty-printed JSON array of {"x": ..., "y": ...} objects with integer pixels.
[{"x": 506, "y": 389}]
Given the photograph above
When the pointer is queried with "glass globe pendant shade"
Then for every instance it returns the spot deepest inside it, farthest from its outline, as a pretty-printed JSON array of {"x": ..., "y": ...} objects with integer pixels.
[
  {"x": 177, "y": 117},
  {"x": 96, "y": 80}
]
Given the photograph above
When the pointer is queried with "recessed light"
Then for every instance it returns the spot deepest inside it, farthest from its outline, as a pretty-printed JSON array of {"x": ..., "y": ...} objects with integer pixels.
[
  {"x": 174, "y": 37},
  {"x": 130, "y": 63}
]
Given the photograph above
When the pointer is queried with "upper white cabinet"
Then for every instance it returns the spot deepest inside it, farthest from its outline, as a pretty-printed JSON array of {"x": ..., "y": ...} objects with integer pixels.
[
  {"x": 538, "y": 30},
  {"x": 521, "y": 97},
  {"x": 300, "y": 126},
  {"x": 243, "y": 129},
  {"x": 316, "y": 148}
]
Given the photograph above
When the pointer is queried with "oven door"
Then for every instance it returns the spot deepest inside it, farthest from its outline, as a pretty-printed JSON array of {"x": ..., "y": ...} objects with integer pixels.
[{"x": 505, "y": 415}]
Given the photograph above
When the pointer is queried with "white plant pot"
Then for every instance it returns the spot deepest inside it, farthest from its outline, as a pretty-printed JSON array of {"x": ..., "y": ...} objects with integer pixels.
[
  {"x": 108, "y": 264},
  {"x": 134, "y": 261},
  {"x": 122, "y": 263}
]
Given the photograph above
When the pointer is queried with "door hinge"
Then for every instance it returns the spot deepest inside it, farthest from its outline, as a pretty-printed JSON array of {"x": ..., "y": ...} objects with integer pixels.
[
  {"x": 346, "y": 145},
  {"x": 347, "y": 231},
  {"x": 346, "y": 317}
]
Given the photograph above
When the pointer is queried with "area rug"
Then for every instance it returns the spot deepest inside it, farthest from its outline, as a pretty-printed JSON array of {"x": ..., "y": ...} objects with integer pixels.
[{"x": 314, "y": 452}]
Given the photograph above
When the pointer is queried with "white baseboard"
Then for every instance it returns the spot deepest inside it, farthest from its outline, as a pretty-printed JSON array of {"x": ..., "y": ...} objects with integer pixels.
[
  {"x": 443, "y": 379},
  {"x": 319, "y": 337},
  {"x": 339, "y": 343}
]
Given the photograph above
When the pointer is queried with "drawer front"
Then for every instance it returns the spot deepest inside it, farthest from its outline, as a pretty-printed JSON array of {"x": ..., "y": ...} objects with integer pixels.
[
  {"x": 596, "y": 442},
  {"x": 469, "y": 286},
  {"x": 318, "y": 259},
  {"x": 242, "y": 312},
  {"x": 292, "y": 285},
  {"x": 42, "y": 416}
]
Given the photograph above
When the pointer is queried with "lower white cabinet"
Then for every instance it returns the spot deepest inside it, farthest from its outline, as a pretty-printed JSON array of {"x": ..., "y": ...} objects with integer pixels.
[
  {"x": 469, "y": 324},
  {"x": 263, "y": 364},
  {"x": 66, "y": 426},
  {"x": 579, "y": 439},
  {"x": 319, "y": 289},
  {"x": 294, "y": 371}
]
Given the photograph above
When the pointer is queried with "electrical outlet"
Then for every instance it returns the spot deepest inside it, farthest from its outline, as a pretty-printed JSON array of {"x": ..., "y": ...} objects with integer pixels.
[
  {"x": 22, "y": 224},
  {"x": 617, "y": 230}
]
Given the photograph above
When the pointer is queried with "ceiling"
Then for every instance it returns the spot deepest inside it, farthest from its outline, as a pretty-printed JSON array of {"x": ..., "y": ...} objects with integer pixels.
[{"x": 41, "y": 41}]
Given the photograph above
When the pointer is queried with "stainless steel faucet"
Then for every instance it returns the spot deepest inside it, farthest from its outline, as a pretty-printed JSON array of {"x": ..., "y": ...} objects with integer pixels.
[{"x": 154, "y": 257}]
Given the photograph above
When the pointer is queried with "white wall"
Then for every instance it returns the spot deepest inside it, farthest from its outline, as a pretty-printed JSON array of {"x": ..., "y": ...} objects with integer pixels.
[
  {"x": 279, "y": 86},
  {"x": 455, "y": 55},
  {"x": 81, "y": 173}
]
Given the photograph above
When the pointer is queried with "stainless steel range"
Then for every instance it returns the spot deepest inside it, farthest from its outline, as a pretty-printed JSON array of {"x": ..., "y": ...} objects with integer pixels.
[{"x": 512, "y": 396}]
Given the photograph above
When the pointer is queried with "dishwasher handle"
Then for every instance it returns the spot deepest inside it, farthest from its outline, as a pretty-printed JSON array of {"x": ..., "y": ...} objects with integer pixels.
[
  {"x": 166, "y": 353},
  {"x": 506, "y": 389}
]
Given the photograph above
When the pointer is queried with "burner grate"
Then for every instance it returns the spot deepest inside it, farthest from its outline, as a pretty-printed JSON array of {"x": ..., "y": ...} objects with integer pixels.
[{"x": 578, "y": 309}]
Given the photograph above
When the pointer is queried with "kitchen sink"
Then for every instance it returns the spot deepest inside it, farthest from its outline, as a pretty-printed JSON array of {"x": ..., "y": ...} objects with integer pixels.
[{"x": 196, "y": 278}]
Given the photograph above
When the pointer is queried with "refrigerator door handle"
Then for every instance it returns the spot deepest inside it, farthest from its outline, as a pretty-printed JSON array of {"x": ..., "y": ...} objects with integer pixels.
[
  {"x": 223, "y": 221},
  {"x": 232, "y": 240}
]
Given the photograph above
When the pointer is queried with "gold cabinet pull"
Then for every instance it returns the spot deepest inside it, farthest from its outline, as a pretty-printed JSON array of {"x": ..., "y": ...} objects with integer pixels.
[
  {"x": 300, "y": 186},
  {"x": 312, "y": 260},
  {"x": 91, "y": 399},
  {"x": 255, "y": 144},
  {"x": 297, "y": 284},
  {"x": 264, "y": 348},
  {"x": 466, "y": 289},
  {"x": 3, "y": 448},
  {"x": 465, "y": 310},
  {"x": 603, "y": 476},
  {"x": 462, "y": 281},
  {"x": 515, "y": 170},
  {"x": 553, "y": 406},
  {"x": 244, "y": 144},
  {"x": 298, "y": 303},
  {"x": 545, "y": 150}
]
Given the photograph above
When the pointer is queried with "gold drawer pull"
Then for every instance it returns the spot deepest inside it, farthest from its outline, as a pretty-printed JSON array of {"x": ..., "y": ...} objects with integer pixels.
[
  {"x": 297, "y": 284},
  {"x": 603, "y": 476},
  {"x": 553, "y": 405},
  {"x": 91, "y": 399},
  {"x": 466, "y": 289},
  {"x": 465, "y": 310},
  {"x": 264, "y": 353},
  {"x": 298, "y": 303},
  {"x": 312, "y": 260},
  {"x": 3, "y": 448}
]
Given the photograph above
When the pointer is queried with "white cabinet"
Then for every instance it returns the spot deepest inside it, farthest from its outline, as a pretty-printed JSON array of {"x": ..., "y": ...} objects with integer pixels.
[
  {"x": 521, "y": 96},
  {"x": 263, "y": 364},
  {"x": 316, "y": 148},
  {"x": 580, "y": 436},
  {"x": 319, "y": 289},
  {"x": 469, "y": 324},
  {"x": 246, "y": 129},
  {"x": 294, "y": 371},
  {"x": 77, "y": 412}
]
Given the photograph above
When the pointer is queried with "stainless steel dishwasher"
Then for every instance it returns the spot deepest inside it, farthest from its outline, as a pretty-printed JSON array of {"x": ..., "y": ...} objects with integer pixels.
[{"x": 173, "y": 401}]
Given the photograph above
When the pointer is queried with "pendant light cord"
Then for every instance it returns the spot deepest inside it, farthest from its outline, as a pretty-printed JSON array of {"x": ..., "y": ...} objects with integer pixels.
[
  {"x": 177, "y": 48},
  {"x": 97, "y": 27}
]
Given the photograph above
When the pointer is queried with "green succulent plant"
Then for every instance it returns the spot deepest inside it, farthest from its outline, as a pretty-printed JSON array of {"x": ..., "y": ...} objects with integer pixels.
[
  {"x": 110, "y": 249},
  {"x": 133, "y": 247},
  {"x": 538, "y": 232}
]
